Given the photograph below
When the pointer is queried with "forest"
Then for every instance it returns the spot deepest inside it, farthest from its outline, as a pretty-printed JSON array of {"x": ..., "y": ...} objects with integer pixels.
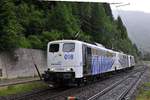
[{"x": 33, "y": 23}]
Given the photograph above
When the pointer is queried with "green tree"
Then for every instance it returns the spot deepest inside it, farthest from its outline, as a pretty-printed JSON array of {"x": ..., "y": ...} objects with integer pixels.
[
  {"x": 121, "y": 28},
  {"x": 23, "y": 42},
  {"x": 108, "y": 11},
  {"x": 83, "y": 11},
  {"x": 61, "y": 19},
  {"x": 35, "y": 42},
  {"x": 97, "y": 23},
  {"x": 31, "y": 18},
  {"x": 50, "y": 36},
  {"x": 32, "y": 24},
  {"x": 9, "y": 26},
  {"x": 9, "y": 42},
  {"x": 8, "y": 19}
]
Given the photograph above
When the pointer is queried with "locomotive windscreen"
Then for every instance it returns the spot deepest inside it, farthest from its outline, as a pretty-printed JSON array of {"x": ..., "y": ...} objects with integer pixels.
[
  {"x": 68, "y": 47},
  {"x": 54, "y": 48}
]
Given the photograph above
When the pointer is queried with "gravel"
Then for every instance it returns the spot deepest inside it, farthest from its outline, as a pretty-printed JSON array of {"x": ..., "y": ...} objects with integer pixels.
[{"x": 83, "y": 92}]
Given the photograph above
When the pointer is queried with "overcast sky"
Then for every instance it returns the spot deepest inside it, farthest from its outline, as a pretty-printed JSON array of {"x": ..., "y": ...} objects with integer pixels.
[{"x": 136, "y": 5}]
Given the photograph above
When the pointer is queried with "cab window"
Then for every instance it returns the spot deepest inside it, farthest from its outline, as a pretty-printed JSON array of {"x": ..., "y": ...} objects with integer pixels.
[
  {"x": 54, "y": 48},
  {"x": 68, "y": 47}
]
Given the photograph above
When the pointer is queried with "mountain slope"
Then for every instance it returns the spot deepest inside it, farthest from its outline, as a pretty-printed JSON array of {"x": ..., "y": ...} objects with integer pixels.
[{"x": 138, "y": 26}]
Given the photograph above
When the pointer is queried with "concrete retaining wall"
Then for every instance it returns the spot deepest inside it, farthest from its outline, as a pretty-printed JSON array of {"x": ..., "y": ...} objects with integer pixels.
[{"x": 20, "y": 63}]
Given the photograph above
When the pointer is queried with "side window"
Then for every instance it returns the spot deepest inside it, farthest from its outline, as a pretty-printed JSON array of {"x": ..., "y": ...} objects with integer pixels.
[
  {"x": 54, "y": 48},
  {"x": 84, "y": 54},
  {"x": 89, "y": 54},
  {"x": 88, "y": 51}
]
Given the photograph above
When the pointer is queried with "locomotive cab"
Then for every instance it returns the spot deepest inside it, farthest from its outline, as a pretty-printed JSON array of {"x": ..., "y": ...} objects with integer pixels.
[{"x": 63, "y": 61}]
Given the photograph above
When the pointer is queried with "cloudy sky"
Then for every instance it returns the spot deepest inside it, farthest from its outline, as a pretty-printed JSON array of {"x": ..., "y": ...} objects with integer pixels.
[{"x": 136, "y": 5}]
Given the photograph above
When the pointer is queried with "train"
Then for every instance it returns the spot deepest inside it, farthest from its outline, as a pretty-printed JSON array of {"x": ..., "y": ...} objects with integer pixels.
[{"x": 73, "y": 61}]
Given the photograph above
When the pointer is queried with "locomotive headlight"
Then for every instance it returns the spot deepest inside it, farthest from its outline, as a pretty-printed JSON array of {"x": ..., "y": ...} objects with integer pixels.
[
  {"x": 52, "y": 69},
  {"x": 69, "y": 69}
]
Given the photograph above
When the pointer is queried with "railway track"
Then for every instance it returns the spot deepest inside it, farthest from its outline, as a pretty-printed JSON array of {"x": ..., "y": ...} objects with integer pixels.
[
  {"x": 63, "y": 95},
  {"x": 39, "y": 94},
  {"x": 62, "y": 92},
  {"x": 121, "y": 89}
]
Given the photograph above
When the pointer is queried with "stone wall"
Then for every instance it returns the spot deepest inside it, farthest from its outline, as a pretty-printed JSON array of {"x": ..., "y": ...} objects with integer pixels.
[{"x": 20, "y": 63}]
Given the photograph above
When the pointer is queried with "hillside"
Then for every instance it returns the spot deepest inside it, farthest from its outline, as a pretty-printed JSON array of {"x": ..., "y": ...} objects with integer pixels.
[
  {"x": 32, "y": 24},
  {"x": 137, "y": 24}
]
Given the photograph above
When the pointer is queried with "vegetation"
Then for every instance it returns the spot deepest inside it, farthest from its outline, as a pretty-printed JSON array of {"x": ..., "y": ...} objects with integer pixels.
[
  {"x": 32, "y": 24},
  {"x": 21, "y": 88},
  {"x": 146, "y": 56},
  {"x": 144, "y": 93}
]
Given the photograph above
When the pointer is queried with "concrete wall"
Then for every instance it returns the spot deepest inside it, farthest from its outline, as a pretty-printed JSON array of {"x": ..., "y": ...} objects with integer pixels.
[{"x": 20, "y": 63}]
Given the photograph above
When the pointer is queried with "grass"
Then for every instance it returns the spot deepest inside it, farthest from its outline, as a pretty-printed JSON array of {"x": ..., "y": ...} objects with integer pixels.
[
  {"x": 21, "y": 88},
  {"x": 144, "y": 93}
]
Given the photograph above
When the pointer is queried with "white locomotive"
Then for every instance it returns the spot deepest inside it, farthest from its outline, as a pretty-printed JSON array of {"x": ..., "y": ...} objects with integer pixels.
[{"x": 76, "y": 61}]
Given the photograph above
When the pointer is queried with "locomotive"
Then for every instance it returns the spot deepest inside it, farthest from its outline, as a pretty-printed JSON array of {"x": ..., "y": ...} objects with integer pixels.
[{"x": 73, "y": 61}]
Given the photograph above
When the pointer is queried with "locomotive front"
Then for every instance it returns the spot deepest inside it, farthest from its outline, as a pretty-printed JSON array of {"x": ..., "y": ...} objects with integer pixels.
[{"x": 63, "y": 61}]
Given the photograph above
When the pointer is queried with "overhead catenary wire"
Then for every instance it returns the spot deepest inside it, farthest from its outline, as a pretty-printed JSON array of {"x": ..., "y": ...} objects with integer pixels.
[{"x": 123, "y": 5}]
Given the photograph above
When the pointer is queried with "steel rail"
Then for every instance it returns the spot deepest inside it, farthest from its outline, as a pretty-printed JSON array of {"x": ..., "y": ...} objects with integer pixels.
[
  {"x": 135, "y": 84},
  {"x": 101, "y": 93}
]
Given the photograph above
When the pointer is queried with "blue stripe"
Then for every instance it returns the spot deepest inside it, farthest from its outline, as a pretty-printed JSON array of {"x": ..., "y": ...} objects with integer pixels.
[{"x": 101, "y": 64}]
